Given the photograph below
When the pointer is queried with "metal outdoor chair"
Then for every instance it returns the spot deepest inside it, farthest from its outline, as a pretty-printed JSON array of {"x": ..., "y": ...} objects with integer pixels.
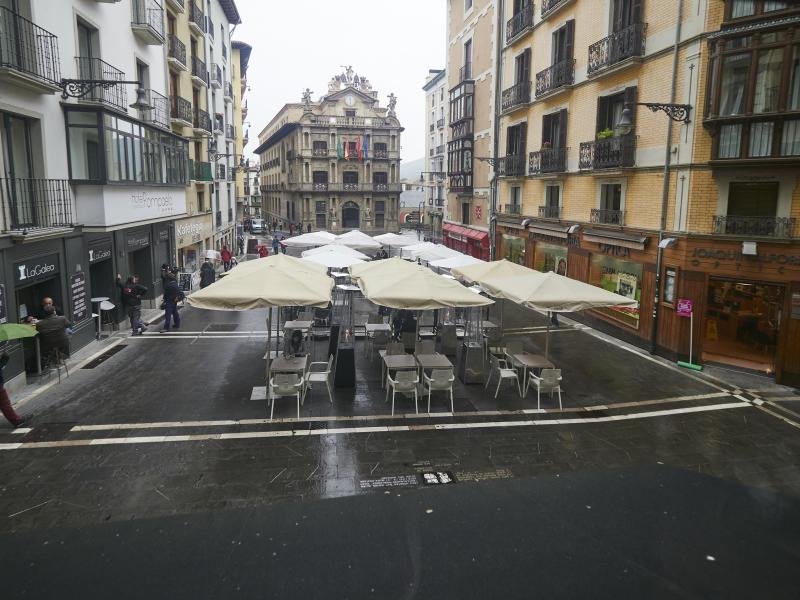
[
  {"x": 500, "y": 366},
  {"x": 54, "y": 359},
  {"x": 392, "y": 348},
  {"x": 548, "y": 381},
  {"x": 283, "y": 385},
  {"x": 406, "y": 383},
  {"x": 440, "y": 379},
  {"x": 378, "y": 340},
  {"x": 317, "y": 376}
]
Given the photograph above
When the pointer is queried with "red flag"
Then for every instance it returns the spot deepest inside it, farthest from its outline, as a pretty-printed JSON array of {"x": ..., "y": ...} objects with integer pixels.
[
  {"x": 346, "y": 149},
  {"x": 358, "y": 148}
]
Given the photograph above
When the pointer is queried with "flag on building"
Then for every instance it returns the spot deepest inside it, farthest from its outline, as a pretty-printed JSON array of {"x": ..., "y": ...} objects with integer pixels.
[
  {"x": 358, "y": 148},
  {"x": 339, "y": 153},
  {"x": 366, "y": 148},
  {"x": 346, "y": 150}
]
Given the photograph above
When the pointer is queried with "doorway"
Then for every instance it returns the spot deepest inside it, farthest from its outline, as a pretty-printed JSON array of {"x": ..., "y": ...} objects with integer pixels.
[
  {"x": 350, "y": 215},
  {"x": 139, "y": 264},
  {"x": 742, "y": 324}
]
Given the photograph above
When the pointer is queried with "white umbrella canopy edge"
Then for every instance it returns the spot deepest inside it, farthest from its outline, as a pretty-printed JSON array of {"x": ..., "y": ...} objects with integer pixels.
[
  {"x": 394, "y": 240},
  {"x": 357, "y": 239},
  {"x": 455, "y": 261},
  {"x": 337, "y": 249},
  {"x": 332, "y": 260},
  {"x": 315, "y": 238}
]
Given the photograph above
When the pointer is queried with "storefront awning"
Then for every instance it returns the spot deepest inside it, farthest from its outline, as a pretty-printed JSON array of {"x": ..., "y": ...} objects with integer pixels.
[
  {"x": 615, "y": 238},
  {"x": 466, "y": 232},
  {"x": 550, "y": 229}
]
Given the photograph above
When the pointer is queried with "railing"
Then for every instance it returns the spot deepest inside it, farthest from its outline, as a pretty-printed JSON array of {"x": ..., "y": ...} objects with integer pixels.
[
  {"x": 548, "y": 5},
  {"x": 176, "y": 49},
  {"x": 431, "y": 151},
  {"x": 221, "y": 172},
  {"x": 609, "y": 153},
  {"x": 380, "y": 187},
  {"x": 180, "y": 108},
  {"x": 199, "y": 69},
  {"x": 549, "y": 212},
  {"x": 218, "y": 218},
  {"x": 181, "y": 4},
  {"x": 433, "y": 126},
  {"x": 380, "y": 154},
  {"x": 319, "y": 151},
  {"x": 615, "y": 48},
  {"x": 230, "y": 132},
  {"x": 349, "y": 121},
  {"x": 511, "y": 166},
  {"x": 465, "y": 72},
  {"x": 460, "y": 182},
  {"x": 210, "y": 27},
  {"x": 94, "y": 68},
  {"x": 603, "y": 216},
  {"x": 555, "y": 76},
  {"x": 512, "y": 209},
  {"x": 519, "y": 22},
  {"x": 200, "y": 171},
  {"x": 196, "y": 17},
  {"x": 351, "y": 187},
  {"x": 440, "y": 123},
  {"x": 517, "y": 95},
  {"x": 219, "y": 124},
  {"x": 777, "y": 227},
  {"x": 216, "y": 75},
  {"x": 319, "y": 186},
  {"x": 36, "y": 203},
  {"x": 27, "y": 48},
  {"x": 201, "y": 120},
  {"x": 440, "y": 149},
  {"x": 149, "y": 13},
  {"x": 159, "y": 112},
  {"x": 229, "y": 90},
  {"x": 547, "y": 160}
]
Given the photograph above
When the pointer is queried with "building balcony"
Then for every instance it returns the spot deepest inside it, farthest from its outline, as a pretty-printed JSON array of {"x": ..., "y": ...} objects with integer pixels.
[
  {"x": 216, "y": 76},
  {"x": 558, "y": 76},
  {"x": 460, "y": 183},
  {"x": 228, "y": 92},
  {"x": 440, "y": 123},
  {"x": 465, "y": 73},
  {"x": 549, "y": 7},
  {"x": 36, "y": 203},
  {"x": 28, "y": 54},
  {"x": 177, "y": 5},
  {"x": 199, "y": 72},
  {"x": 610, "y": 153},
  {"x": 511, "y": 166},
  {"x": 440, "y": 150},
  {"x": 180, "y": 111},
  {"x": 380, "y": 154},
  {"x": 221, "y": 174},
  {"x": 230, "y": 132},
  {"x": 432, "y": 127},
  {"x": 431, "y": 151},
  {"x": 159, "y": 113},
  {"x": 602, "y": 216},
  {"x": 147, "y": 21},
  {"x": 244, "y": 109},
  {"x": 176, "y": 53},
  {"x": 93, "y": 68},
  {"x": 201, "y": 122},
  {"x": 743, "y": 226},
  {"x": 517, "y": 95},
  {"x": 547, "y": 160},
  {"x": 219, "y": 125},
  {"x": 352, "y": 122},
  {"x": 512, "y": 209},
  {"x": 519, "y": 23},
  {"x": 197, "y": 20},
  {"x": 550, "y": 212},
  {"x": 320, "y": 152},
  {"x": 616, "y": 48},
  {"x": 218, "y": 219},
  {"x": 386, "y": 187},
  {"x": 200, "y": 171}
]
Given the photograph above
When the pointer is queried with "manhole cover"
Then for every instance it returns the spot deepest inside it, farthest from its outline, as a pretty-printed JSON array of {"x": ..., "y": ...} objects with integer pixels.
[
  {"x": 104, "y": 356},
  {"x": 222, "y": 327}
]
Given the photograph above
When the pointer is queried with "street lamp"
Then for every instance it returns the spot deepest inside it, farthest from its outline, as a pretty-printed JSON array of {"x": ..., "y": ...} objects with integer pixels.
[
  {"x": 680, "y": 114},
  {"x": 214, "y": 156}
]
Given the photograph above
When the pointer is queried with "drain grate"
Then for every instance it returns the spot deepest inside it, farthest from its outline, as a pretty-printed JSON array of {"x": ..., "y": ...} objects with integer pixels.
[
  {"x": 222, "y": 327},
  {"x": 105, "y": 356}
]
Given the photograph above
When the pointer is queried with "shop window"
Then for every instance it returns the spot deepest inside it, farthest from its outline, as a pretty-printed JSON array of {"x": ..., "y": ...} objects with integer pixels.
[
  {"x": 321, "y": 214},
  {"x": 670, "y": 285},
  {"x": 550, "y": 257},
  {"x": 622, "y": 277},
  {"x": 514, "y": 247}
]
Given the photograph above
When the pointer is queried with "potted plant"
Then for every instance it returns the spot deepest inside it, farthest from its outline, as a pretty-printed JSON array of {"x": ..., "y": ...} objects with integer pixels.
[{"x": 605, "y": 134}]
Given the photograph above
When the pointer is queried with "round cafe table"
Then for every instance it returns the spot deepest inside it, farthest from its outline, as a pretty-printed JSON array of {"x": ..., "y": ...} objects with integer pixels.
[{"x": 99, "y": 315}]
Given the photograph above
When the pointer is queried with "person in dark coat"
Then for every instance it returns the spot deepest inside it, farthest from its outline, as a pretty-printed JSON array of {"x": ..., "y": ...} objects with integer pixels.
[
  {"x": 275, "y": 244},
  {"x": 207, "y": 273},
  {"x": 53, "y": 332},
  {"x": 5, "y": 402},
  {"x": 226, "y": 258},
  {"x": 172, "y": 295},
  {"x": 132, "y": 292},
  {"x": 308, "y": 228}
]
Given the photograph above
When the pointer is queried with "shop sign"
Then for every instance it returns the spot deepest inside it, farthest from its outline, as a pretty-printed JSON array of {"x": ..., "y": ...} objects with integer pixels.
[
  {"x": 137, "y": 241},
  {"x": 35, "y": 269},
  {"x": 738, "y": 257},
  {"x": 3, "y": 312},
  {"x": 77, "y": 291},
  {"x": 684, "y": 307},
  {"x": 99, "y": 250},
  {"x": 116, "y": 205},
  {"x": 192, "y": 231},
  {"x": 612, "y": 250},
  {"x": 163, "y": 235}
]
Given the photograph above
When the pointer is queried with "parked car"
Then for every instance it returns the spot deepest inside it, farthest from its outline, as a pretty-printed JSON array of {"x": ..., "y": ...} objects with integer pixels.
[{"x": 257, "y": 225}]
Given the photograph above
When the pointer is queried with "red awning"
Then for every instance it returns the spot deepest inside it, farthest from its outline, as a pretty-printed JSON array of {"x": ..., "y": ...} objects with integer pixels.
[{"x": 467, "y": 232}]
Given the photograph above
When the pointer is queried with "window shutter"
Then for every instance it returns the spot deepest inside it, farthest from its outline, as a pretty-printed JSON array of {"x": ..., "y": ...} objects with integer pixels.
[
  {"x": 569, "y": 40},
  {"x": 630, "y": 99},
  {"x": 562, "y": 137},
  {"x": 636, "y": 12},
  {"x": 526, "y": 65},
  {"x": 546, "y": 128},
  {"x": 523, "y": 138}
]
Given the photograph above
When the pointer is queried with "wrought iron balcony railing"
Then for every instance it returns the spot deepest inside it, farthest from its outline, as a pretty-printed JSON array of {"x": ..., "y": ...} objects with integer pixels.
[
  {"x": 380, "y": 154},
  {"x": 609, "y": 153},
  {"x": 196, "y": 17},
  {"x": 519, "y": 22},
  {"x": 555, "y": 76},
  {"x": 36, "y": 203},
  {"x": 549, "y": 212},
  {"x": 199, "y": 70},
  {"x": 93, "y": 68},
  {"x": 604, "y": 216},
  {"x": 200, "y": 171},
  {"x": 159, "y": 113},
  {"x": 319, "y": 151},
  {"x": 615, "y": 48},
  {"x": 221, "y": 172},
  {"x": 180, "y": 108},
  {"x": 148, "y": 18},
  {"x": 216, "y": 76},
  {"x": 230, "y": 132},
  {"x": 201, "y": 120},
  {"x": 547, "y": 160},
  {"x": 776, "y": 227},
  {"x": 511, "y": 166},
  {"x": 440, "y": 123},
  {"x": 512, "y": 209},
  {"x": 27, "y": 49},
  {"x": 517, "y": 95},
  {"x": 176, "y": 49},
  {"x": 548, "y": 5},
  {"x": 465, "y": 72}
]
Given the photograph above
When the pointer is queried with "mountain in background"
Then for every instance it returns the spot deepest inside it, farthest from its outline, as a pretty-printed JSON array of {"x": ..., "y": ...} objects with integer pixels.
[{"x": 412, "y": 168}]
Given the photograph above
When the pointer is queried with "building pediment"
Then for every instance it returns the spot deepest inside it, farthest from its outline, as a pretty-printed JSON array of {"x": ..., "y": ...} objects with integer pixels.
[{"x": 342, "y": 95}]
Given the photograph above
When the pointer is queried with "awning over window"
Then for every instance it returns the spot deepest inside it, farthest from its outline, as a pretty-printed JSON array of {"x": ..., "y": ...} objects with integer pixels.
[
  {"x": 550, "y": 229},
  {"x": 467, "y": 232},
  {"x": 615, "y": 238}
]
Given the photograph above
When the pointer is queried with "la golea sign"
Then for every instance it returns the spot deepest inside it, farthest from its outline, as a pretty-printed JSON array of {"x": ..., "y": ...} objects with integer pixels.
[{"x": 35, "y": 269}]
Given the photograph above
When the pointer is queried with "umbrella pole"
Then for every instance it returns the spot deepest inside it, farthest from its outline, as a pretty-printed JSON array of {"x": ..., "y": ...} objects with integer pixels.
[
  {"x": 547, "y": 338},
  {"x": 269, "y": 347}
]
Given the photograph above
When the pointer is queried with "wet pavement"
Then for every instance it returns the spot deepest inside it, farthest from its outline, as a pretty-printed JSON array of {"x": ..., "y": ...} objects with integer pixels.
[{"x": 153, "y": 474}]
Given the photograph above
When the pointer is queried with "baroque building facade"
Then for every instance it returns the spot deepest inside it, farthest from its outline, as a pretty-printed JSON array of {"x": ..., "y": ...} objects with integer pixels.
[{"x": 333, "y": 164}]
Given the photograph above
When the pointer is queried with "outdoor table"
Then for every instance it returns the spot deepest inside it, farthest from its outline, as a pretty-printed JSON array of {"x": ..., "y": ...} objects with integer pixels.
[
  {"x": 398, "y": 362},
  {"x": 98, "y": 300},
  {"x": 340, "y": 274},
  {"x": 293, "y": 364},
  {"x": 432, "y": 361},
  {"x": 529, "y": 361},
  {"x": 301, "y": 325},
  {"x": 427, "y": 333},
  {"x": 347, "y": 287},
  {"x": 373, "y": 327}
]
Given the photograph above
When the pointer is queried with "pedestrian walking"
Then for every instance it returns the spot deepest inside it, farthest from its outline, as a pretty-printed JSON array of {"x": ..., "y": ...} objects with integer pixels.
[
  {"x": 240, "y": 242},
  {"x": 225, "y": 254},
  {"x": 5, "y": 402},
  {"x": 262, "y": 251},
  {"x": 172, "y": 295},
  {"x": 308, "y": 228},
  {"x": 280, "y": 224},
  {"x": 207, "y": 273},
  {"x": 291, "y": 229},
  {"x": 132, "y": 292},
  {"x": 275, "y": 244},
  {"x": 274, "y": 226}
]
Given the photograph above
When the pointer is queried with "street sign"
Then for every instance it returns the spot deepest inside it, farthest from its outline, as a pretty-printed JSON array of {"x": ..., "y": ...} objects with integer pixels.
[{"x": 684, "y": 308}]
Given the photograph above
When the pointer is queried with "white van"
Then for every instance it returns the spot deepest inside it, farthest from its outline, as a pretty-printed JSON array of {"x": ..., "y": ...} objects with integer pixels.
[{"x": 257, "y": 226}]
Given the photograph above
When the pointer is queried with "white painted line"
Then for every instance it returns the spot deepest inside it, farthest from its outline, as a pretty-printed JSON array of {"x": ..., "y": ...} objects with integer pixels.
[
  {"x": 781, "y": 417},
  {"x": 22, "y": 430}
]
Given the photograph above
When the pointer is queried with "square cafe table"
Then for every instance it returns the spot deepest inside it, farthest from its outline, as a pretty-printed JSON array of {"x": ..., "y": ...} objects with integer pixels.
[
  {"x": 398, "y": 362},
  {"x": 528, "y": 361},
  {"x": 432, "y": 361},
  {"x": 292, "y": 364},
  {"x": 301, "y": 325},
  {"x": 373, "y": 327}
]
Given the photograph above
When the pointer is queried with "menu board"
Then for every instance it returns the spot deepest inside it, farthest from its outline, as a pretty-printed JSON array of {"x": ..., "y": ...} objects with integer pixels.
[
  {"x": 185, "y": 282},
  {"x": 77, "y": 292}
]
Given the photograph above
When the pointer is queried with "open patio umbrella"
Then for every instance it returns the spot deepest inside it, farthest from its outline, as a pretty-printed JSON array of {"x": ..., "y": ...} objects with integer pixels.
[
  {"x": 437, "y": 252},
  {"x": 394, "y": 240},
  {"x": 332, "y": 260},
  {"x": 269, "y": 282},
  {"x": 357, "y": 239},
  {"x": 16, "y": 331},
  {"x": 315, "y": 238},
  {"x": 461, "y": 260},
  {"x": 336, "y": 248}
]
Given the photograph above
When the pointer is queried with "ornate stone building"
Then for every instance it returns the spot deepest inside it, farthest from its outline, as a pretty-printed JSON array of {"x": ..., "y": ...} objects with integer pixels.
[{"x": 333, "y": 164}]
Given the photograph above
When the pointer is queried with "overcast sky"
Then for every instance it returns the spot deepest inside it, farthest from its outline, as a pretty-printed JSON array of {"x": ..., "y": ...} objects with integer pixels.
[{"x": 303, "y": 43}]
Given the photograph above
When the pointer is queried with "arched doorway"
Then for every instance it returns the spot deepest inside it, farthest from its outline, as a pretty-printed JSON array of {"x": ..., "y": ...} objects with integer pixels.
[{"x": 350, "y": 215}]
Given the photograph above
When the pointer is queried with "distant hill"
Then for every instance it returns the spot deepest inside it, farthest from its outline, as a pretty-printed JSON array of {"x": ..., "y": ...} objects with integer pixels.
[{"x": 412, "y": 168}]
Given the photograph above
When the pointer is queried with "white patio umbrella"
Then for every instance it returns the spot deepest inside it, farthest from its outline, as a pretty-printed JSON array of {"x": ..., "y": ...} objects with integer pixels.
[
  {"x": 438, "y": 252},
  {"x": 335, "y": 248},
  {"x": 357, "y": 239},
  {"x": 394, "y": 240},
  {"x": 315, "y": 238},
  {"x": 460, "y": 260},
  {"x": 333, "y": 260}
]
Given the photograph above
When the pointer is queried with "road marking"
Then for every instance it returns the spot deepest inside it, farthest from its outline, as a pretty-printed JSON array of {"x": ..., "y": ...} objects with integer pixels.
[{"x": 361, "y": 430}]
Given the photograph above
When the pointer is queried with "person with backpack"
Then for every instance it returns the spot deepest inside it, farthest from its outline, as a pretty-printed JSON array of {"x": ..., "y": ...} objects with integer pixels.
[
  {"x": 172, "y": 295},
  {"x": 226, "y": 258},
  {"x": 207, "y": 273},
  {"x": 132, "y": 292}
]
